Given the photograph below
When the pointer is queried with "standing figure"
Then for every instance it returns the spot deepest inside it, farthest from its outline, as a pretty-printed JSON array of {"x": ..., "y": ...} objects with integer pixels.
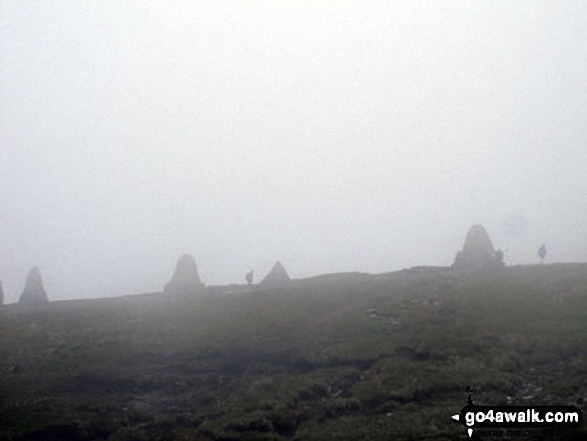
[
  {"x": 499, "y": 255},
  {"x": 249, "y": 277},
  {"x": 542, "y": 252},
  {"x": 1, "y": 294}
]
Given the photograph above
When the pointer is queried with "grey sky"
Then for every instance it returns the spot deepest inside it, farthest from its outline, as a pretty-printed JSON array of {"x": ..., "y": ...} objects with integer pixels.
[{"x": 333, "y": 136}]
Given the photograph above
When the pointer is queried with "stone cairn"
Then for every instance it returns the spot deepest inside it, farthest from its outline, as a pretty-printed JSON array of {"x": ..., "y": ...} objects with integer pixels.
[
  {"x": 478, "y": 252},
  {"x": 277, "y": 276},
  {"x": 33, "y": 293},
  {"x": 185, "y": 280}
]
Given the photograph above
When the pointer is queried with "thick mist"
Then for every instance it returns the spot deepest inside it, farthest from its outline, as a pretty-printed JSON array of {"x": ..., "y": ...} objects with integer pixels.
[{"x": 332, "y": 136}]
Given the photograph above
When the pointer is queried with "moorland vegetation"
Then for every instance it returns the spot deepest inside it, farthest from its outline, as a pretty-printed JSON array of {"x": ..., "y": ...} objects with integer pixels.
[{"x": 342, "y": 356}]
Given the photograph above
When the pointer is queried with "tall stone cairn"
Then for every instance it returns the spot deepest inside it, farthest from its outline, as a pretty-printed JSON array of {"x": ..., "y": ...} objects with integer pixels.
[
  {"x": 185, "y": 280},
  {"x": 478, "y": 252},
  {"x": 277, "y": 276},
  {"x": 33, "y": 293}
]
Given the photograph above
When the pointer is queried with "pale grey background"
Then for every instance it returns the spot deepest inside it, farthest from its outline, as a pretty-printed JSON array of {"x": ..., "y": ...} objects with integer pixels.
[{"x": 333, "y": 136}]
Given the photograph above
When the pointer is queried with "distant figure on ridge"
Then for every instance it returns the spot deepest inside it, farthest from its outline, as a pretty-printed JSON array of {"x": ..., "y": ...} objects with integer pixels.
[
  {"x": 276, "y": 276},
  {"x": 542, "y": 252},
  {"x": 1, "y": 294},
  {"x": 499, "y": 255},
  {"x": 478, "y": 252},
  {"x": 185, "y": 280},
  {"x": 33, "y": 293},
  {"x": 249, "y": 277}
]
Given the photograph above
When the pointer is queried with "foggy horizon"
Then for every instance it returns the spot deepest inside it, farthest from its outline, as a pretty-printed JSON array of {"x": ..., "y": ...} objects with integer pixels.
[{"x": 332, "y": 137}]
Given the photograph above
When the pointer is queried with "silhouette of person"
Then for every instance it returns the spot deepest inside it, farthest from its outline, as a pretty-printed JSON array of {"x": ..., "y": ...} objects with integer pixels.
[
  {"x": 542, "y": 252},
  {"x": 499, "y": 255}
]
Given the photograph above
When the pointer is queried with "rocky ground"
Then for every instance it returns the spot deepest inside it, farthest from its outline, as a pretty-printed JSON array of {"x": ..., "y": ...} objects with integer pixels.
[{"x": 348, "y": 356}]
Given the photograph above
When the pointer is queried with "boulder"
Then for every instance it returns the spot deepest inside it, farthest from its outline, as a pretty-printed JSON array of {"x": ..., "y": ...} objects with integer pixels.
[
  {"x": 185, "y": 279},
  {"x": 278, "y": 275},
  {"x": 478, "y": 252},
  {"x": 33, "y": 293}
]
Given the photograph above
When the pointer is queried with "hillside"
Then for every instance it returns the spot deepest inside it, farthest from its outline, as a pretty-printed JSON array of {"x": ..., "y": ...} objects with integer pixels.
[{"x": 345, "y": 356}]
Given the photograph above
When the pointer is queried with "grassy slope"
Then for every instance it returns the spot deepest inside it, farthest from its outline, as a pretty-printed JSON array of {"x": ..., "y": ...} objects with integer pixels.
[{"x": 333, "y": 357}]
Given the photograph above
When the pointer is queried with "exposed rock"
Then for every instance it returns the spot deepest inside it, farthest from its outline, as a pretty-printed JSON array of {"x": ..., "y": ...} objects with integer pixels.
[
  {"x": 33, "y": 293},
  {"x": 185, "y": 280},
  {"x": 276, "y": 276},
  {"x": 478, "y": 251}
]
